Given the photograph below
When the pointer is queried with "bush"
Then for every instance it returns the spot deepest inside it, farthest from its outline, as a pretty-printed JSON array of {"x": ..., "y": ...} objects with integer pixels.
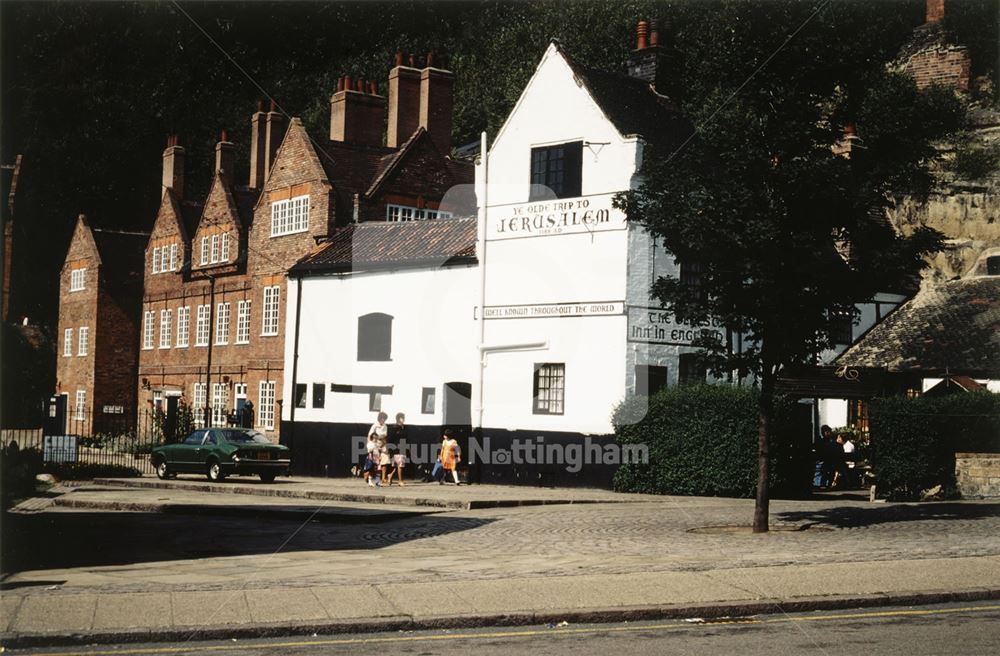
[
  {"x": 87, "y": 471},
  {"x": 702, "y": 440},
  {"x": 914, "y": 440}
]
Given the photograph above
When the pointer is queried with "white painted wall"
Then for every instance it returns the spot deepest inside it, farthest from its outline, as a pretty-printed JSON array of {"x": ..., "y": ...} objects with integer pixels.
[{"x": 433, "y": 339}]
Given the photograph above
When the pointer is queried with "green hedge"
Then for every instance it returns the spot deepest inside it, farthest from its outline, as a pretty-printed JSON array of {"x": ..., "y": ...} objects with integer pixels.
[
  {"x": 702, "y": 440},
  {"x": 914, "y": 440}
]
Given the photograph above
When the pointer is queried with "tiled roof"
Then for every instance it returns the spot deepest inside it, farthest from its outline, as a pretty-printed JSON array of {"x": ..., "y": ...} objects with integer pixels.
[
  {"x": 952, "y": 326},
  {"x": 379, "y": 245},
  {"x": 633, "y": 107}
]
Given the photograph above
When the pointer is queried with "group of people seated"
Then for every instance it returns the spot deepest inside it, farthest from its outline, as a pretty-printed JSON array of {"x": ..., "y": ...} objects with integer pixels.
[{"x": 836, "y": 453}]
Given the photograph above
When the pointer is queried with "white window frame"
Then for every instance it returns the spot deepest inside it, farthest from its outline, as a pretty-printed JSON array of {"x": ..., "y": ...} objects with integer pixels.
[
  {"x": 199, "y": 395},
  {"x": 400, "y": 213},
  {"x": 215, "y": 249},
  {"x": 183, "y": 326},
  {"x": 222, "y": 324},
  {"x": 289, "y": 217},
  {"x": 166, "y": 323},
  {"x": 68, "y": 343},
  {"x": 550, "y": 398},
  {"x": 80, "y": 407},
  {"x": 204, "y": 250},
  {"x": 78, "y": 280},
  {"x": 173, "y": 257},
  {"x": 265, "y": 405},
  {"x": 156, "y": 259},
  {"x": 224, "y": 247},
  {"x": 83, "y": 340},
  {"x": 243, "y": 322},
  {"x": 147, "y": 330},
  {"x": 220, "y": 401},
  {"x": 272, "y": 306},
  {"x": 202, "y": 327}
]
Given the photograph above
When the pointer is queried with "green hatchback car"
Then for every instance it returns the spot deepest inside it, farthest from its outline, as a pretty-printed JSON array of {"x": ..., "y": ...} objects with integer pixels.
[{"x": 220, "y": 452}]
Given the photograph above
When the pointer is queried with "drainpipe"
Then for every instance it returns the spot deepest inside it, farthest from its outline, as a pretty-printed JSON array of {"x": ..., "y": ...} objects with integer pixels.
[
  {"x": 208, "y": 370},
  {"x": 295, "y": 361},
  {"x": 484, "y": 156}
]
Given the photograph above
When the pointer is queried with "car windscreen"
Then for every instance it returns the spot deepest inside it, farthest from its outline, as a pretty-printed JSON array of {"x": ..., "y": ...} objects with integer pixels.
[{"x": 241, "y": 437}]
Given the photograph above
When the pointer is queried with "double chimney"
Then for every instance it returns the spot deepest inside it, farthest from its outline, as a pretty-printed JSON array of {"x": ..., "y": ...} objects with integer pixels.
[
  {"x": 655, "y": 60},
  {"x": 417, "y": 98}
]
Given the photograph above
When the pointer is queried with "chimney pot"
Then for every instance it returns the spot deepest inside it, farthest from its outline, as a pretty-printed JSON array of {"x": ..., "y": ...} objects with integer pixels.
[
  {"x": 359, "y": 85},
  {"x": 641, "y": 31},
  {"x": 935, "y": 11},
  {"x": 274, "y": 106},
  {"x": 654, "y": 34},
  {"x": 347, "y": 82},
  {"x": 430, "y": 59},
  {"x": 260, "y": 105},
  {"x": 340, "y": 83},
  {"x": 223, "y": 136},
  {"x": 399, "y": 59},
  {"x": 413, "y": 60},
  {"x": 373, "y": 88}
]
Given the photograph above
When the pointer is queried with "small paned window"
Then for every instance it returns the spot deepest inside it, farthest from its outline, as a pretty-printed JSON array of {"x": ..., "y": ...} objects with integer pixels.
[
  {"x": 84, "y": 341},
  {"x": 374, "y": 337},
  {"x": 559, "y": 168},
  {"x": 77, "y": 280},
  {"x": 289, "y": 216},
  {"x": 166, "y": 323},
  {"x": 549, "y": 388},
  {"x": 301, "y": 393},
  {"x": 428, "y": 399},
  {"x": 68, "y": 342},
  {"x": 183, "y": 325},
  {"x": 148, "y": 329},
  {"x": 272, "y": 295}
]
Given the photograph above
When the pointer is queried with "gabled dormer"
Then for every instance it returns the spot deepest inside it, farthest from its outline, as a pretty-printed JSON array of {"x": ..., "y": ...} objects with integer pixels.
[
  {"x": 166, "y": 250},
  {"x": 220, "y": 238},
  {"x": 411, "y": 183},
  {"x": 81, "y": 267}
]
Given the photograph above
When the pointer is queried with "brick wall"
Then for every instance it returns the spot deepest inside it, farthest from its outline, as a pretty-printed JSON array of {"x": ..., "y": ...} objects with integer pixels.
[
  {"x": 948, "y": 65},
  {"x": 978, "y": 474}
]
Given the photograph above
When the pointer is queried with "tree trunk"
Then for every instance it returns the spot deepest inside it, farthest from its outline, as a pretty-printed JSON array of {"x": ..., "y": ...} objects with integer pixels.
[{"x": 761, "y": 506}]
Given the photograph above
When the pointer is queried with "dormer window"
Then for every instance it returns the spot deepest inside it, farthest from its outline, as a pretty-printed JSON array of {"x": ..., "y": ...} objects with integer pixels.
[
  {"x": 215, "y": 249},
  {"x": 164, "y": 258},
  {"x": 559, "y": 168},
  {"x": 410, "y": 213},
  {"x": 289, "y": 216},
  {"x": 77, "y": 280}
]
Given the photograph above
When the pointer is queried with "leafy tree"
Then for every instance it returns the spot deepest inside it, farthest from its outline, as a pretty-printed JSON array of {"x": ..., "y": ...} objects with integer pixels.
[{"x": 787, "y": 233}]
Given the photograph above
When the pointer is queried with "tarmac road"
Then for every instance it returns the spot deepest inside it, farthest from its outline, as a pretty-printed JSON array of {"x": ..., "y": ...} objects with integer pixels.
[{"x": 952, "y": 629}]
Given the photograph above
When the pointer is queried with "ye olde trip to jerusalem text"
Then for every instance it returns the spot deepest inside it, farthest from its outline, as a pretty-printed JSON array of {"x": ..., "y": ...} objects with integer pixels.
[{"x": 552, "y": 218}]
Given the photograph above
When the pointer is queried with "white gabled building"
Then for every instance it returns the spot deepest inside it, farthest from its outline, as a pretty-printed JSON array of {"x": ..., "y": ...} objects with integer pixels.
[{"x": 570, "y": 329}]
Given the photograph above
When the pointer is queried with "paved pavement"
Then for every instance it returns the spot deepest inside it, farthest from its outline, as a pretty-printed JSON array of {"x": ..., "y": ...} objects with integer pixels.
[{"x": 147, "y": 574}]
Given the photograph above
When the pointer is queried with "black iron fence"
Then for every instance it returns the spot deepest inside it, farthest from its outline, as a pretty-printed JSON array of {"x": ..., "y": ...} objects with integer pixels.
[{"x": 110, "y": 438}]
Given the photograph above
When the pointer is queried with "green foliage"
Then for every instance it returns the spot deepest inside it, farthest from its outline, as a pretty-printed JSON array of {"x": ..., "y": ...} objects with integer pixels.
[
  {"x": 975, "y": 161},
  {"x": 85, "y": 471},
  {"x": 702, "y": 440},
  {"x": 914, "y": 440}
]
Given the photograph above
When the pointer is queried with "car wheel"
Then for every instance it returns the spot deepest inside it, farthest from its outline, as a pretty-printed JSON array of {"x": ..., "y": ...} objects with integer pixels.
[
  {"x": 162, "y": 470},
  {"x": 214, "y": 471},
  {"x": 267, "y": 477}
]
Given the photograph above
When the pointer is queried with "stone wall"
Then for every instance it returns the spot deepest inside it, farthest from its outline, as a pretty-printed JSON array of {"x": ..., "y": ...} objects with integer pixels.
[{"x": 978, "y": 474}]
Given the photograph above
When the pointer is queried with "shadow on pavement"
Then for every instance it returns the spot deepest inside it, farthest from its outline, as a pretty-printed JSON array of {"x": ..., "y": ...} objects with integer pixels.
[
  {"x": 856, "y": 517},
  {"x": 55, "y": 540}
]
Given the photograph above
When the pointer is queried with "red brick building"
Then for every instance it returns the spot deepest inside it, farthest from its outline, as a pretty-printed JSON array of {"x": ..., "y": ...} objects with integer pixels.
[
  {"x": 212, "y": 322},
  {"x": 100, "y": 289}
]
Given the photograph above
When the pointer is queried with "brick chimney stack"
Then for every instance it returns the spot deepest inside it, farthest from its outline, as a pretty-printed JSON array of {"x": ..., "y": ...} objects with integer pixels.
[
  {"x": 655, "y": 59},
  {"x": 273, "y": 134},
  {"x": 935, "y": 11},
  {"x": 356, "y": 113},
  {"x": 225, "y": 157},
  {"x": 437, "y": 103},
  {"x": 404, "y": 102},
  {"x": 173, "y": 166},
  {"x": 258, "y": 152}
]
